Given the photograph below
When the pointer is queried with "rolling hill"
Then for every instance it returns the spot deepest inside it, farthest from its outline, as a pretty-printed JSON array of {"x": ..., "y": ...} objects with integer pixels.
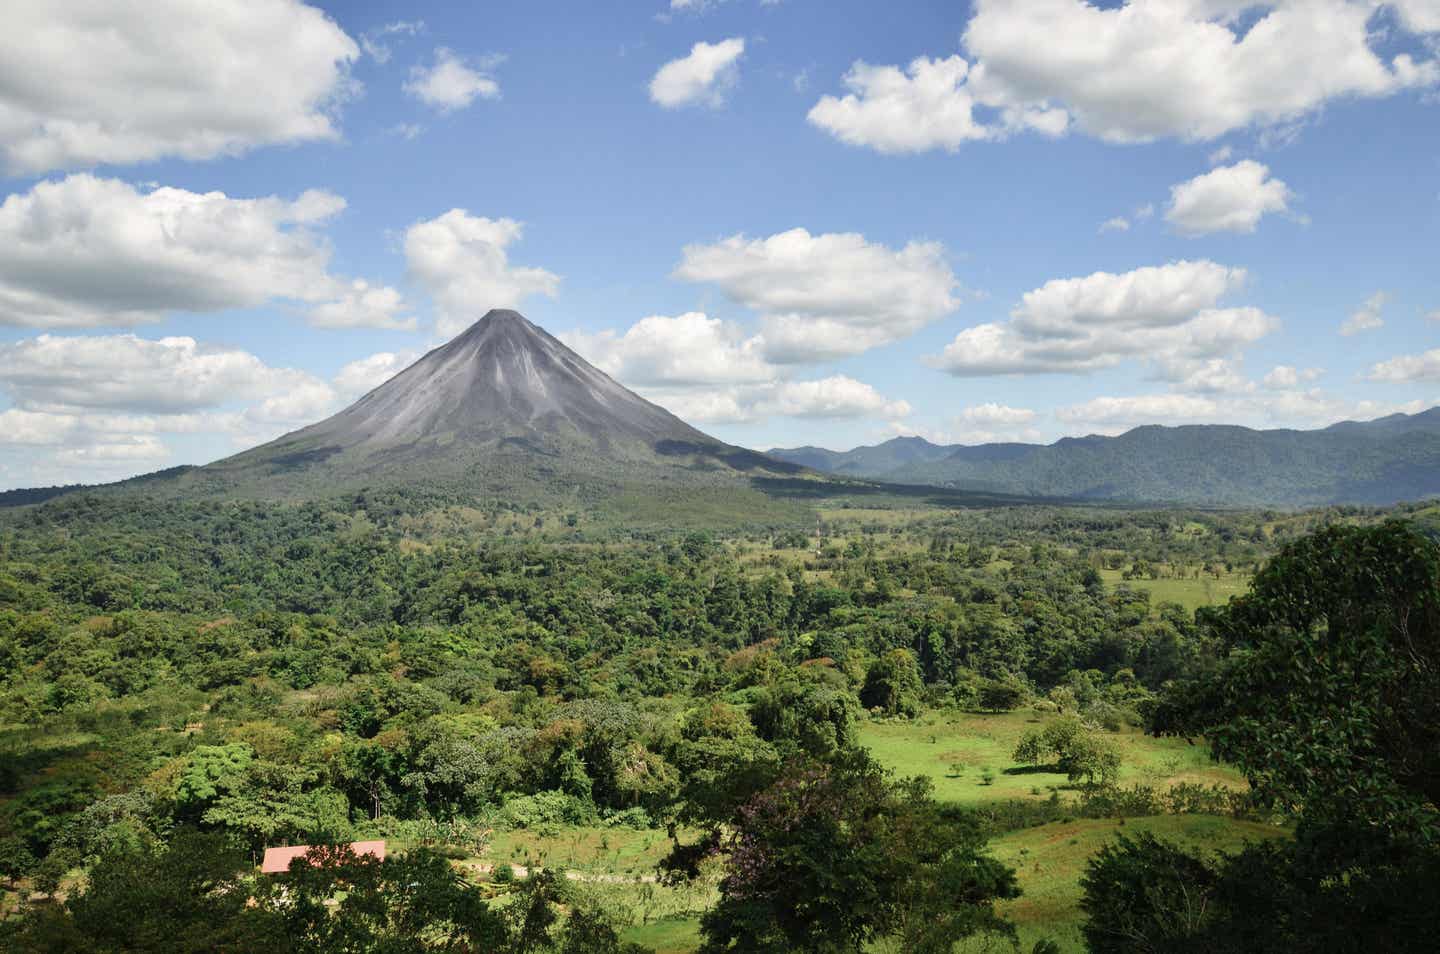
[{"x": 1383, "y": 461}]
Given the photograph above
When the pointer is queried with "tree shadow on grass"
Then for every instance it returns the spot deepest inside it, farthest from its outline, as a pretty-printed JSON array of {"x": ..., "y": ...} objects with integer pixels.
[{"x": 1034, "y": 770}]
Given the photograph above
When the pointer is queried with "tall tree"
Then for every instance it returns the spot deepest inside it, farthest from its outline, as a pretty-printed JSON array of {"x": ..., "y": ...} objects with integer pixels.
[
  {"x": 834, "y": 855},
  {"x": 1329, "y": 696}
]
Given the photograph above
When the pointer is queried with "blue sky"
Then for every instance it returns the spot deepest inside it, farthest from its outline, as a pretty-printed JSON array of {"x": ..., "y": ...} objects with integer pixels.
[{"x": 790, "y": 222}]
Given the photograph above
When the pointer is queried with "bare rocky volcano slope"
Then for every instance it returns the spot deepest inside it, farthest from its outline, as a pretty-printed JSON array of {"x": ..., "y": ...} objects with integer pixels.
[
  {"x": 503, "y": 377},
  {"x": 503, "y": 405}
]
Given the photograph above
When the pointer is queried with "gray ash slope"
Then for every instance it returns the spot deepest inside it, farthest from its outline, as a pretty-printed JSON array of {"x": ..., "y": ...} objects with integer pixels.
[
  {"x": 505, "y": 406},
  {"x": 501, "y": 378}
]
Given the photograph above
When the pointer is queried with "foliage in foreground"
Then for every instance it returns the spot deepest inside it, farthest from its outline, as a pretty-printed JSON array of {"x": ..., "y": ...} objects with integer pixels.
[
  {"x": 197, "y": 895},
  {"x": 1329, "y": 699},
  {"x": 1149, "y": 895},
  {"x": 834, "y": 855}
]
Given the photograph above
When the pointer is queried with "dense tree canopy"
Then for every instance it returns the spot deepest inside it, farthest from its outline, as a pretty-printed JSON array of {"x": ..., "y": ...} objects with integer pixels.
[{"x": 433, "y": 669}]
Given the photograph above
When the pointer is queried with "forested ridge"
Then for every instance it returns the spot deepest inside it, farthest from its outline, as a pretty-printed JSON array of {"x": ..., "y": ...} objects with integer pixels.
[{"x": 1374, "y": 462}]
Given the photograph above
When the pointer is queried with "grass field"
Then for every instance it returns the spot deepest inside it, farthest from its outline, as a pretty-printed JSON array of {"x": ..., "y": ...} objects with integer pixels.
[
  {"x": 1189, "y": 593},
  {"x": 1048, "y": 863},
  {"x": 956, "y": 749},
  {"x": 617, "y": 851},
  {"x": 617, "y": 865},
  {"x": 669, "y": 936},
  {"x": 1050, "y": 859}
]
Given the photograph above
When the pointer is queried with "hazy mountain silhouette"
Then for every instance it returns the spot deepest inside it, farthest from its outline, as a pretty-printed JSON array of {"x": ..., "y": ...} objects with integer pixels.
[{"x": 1383, "y": 461}]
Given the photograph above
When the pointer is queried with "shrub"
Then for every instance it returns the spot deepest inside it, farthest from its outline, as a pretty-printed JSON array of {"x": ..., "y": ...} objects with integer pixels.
[{"x": 546, "y": 808}]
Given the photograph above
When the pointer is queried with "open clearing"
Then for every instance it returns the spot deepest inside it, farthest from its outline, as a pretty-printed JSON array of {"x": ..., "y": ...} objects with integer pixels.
[
  {"x": 1050, "y": 859},
  {"x": 955, "y": 750},
  {"x": 1189, "y": 592}
]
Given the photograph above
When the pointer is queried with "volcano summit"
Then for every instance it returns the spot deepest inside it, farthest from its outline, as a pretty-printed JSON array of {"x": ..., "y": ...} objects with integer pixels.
[{"x": 504, "y": 407}]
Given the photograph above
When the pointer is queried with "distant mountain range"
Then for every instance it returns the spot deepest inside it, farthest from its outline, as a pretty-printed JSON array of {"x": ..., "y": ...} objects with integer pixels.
[
  {"x": 506, "y": 412},
  {"x": 1383, "y": 461}
]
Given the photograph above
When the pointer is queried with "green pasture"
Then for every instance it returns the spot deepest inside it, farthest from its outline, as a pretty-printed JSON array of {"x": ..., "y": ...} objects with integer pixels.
[
  {"x": 610, "y": 851},
  {"x": 1189, "y": 592},
  {"x": 1049, "y": 861},
  {"x": 680, "y": 935},
  {"x": 955, "y": 750}
]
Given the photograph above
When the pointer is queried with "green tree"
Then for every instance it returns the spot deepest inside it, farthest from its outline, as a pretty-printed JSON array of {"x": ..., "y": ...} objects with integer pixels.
[
  {"x": 1329, "y": 695},
  {"x": 333, "y": 900},
  {"x": 1000, "y": 695},
  {"x": 1147, "y": 895},
  {"x": 210, "y": 772},
  {"x": 186, "y": 897},
  {"x": 893, "y": 684},
  {"x": 1077, "y": 750},
  {"x": 833, "y": 855}
]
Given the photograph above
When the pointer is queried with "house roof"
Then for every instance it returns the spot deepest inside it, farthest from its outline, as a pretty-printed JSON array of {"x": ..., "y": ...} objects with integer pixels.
[{"x": 277, "y": 860}]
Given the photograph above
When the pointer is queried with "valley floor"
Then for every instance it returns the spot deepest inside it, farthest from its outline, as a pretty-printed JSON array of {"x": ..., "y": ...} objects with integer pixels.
[{"x": 956, "y": 750}]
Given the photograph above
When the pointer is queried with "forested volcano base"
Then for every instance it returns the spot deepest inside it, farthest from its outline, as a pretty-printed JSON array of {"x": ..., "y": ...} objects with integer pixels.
[{"x": 874, "y": 728}]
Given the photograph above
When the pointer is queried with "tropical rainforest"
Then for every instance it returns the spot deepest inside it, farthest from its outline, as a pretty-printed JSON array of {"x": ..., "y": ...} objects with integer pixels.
[{"x": 880, "y": 728}]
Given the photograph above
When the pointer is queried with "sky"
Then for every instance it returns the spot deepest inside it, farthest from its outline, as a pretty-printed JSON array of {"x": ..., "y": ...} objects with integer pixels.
[{"x": 790, "y": 222}]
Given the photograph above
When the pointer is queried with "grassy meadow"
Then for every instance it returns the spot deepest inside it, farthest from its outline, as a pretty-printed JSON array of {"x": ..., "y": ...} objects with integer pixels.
[
  {"x": 1189, "y": 592},
  {"x": 954, "y": 750},
  {"x": 1050, "y": 859}
]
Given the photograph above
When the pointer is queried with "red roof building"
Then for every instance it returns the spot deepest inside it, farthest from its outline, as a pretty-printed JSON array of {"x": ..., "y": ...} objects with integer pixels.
[{"x": 277, "y": 860}]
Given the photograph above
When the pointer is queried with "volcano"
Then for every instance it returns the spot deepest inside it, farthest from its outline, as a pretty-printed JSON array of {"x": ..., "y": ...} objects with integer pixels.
[{"x": 505, "y": 408}]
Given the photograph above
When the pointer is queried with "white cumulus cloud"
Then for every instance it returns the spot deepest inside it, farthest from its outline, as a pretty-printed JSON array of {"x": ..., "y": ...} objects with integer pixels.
[
  {"x": 1138, "y": 71},
  {"x": 363, "y": 305},
  {"x": 1112, "y": 414},
  {"x": 688, "y": 349},
  {"x": 1287, "y": 408},
  {"x": 452, "y": 83},
  {"x": 1409, "y": 367},
  {"x": 85, "y": 251},
  {"x": 1168, "y": 315},
  {"x": 88, "y": 83},
  {"x": 925, "y": 106},
  {"x": 1421, "y": 16},
  {"x": 463, "y": 261},
  {"x": 830, "y": 295},
  {"x": 1367, "y": 316},
  {"x": 130, "y": 373},
  {"x": 1284, "y": 376},
  {"x": 992, "y": 422},
  {"x": 375, "y": 42},
  {"x": 703, "y": 77},
  {"x": 708, "y": 371},
  {"x": 363, "y": 375},
  {"x": 105, "y": 402},
  {"x": 835, "y": 396},
  {"x": 1228, "y": 199}
]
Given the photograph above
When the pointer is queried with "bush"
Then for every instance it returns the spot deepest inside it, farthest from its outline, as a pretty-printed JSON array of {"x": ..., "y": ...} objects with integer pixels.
[
  {"x": 636, "y": 818},
  {"x": 546, "y": 808},
  {"x": 1147, "y": 895}
]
